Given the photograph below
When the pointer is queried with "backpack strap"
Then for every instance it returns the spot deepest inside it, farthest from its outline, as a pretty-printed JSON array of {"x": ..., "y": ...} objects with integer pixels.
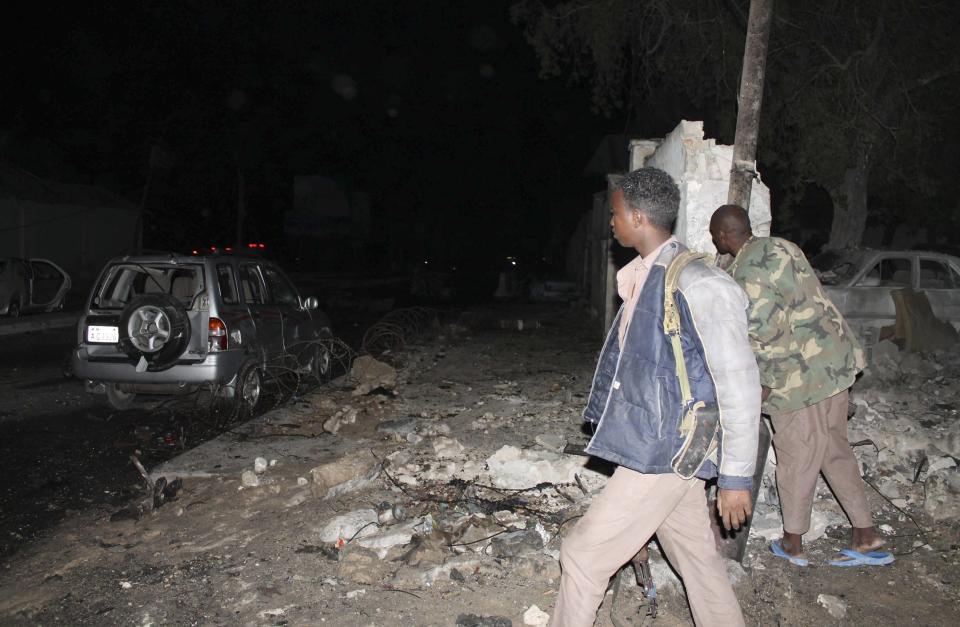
[{"x": 671, "y": 323}]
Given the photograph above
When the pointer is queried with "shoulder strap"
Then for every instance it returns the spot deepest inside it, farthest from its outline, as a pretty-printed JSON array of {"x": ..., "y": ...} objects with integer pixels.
[{"x": 671, "y": 317}]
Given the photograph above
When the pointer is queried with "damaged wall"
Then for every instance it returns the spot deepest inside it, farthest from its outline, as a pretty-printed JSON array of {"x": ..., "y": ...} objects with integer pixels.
[{"x": 701, "y": 169}]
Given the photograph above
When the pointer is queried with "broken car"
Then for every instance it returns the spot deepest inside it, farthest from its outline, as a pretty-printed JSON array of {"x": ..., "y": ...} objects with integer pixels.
[
  {"x": 173, "y": 324},
  {"x": 861, "y": 284},
  {"x": 28, "y": 285}
]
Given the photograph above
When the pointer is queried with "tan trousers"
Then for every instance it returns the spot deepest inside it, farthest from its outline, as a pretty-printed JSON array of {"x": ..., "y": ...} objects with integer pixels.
[
  {"x": 810, "y": 441},
  {"x": 631, "y": 508}
]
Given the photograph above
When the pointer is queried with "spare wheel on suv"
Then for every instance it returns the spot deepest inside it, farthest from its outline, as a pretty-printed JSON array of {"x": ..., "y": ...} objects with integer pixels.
[{"x": 156, "y": 328}]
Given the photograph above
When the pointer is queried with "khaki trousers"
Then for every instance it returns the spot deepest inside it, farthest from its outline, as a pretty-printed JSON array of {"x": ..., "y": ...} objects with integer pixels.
[
  {"x": 810, "y": 441},
  {"x": 620, "y": 521}
]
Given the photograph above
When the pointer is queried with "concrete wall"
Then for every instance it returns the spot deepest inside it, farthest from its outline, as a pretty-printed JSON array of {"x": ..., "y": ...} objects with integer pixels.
[{"x": 701, "y": 169}]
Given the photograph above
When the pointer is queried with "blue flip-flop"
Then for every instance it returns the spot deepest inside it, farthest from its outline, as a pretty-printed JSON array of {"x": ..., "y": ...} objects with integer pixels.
[
  {"x": 777, "y": 550},
  {"x": 867, "y": 558}
]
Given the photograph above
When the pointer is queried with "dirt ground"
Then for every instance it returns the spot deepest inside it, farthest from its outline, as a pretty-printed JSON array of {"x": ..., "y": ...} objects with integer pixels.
[{"x": 223, "y": 553}]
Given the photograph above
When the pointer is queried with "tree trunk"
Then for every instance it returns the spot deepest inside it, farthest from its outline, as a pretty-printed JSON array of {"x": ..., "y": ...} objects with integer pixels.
[
  {"x": 744, "y": 167},
  {"x": 850, "y": 206}
]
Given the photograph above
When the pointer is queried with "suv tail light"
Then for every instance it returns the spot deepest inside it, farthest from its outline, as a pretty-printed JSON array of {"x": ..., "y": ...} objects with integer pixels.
[{"x": 217, "y": 337}]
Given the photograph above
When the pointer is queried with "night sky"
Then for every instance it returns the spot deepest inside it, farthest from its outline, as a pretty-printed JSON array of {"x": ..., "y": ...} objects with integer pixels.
[{"x": 434, "y": 110}]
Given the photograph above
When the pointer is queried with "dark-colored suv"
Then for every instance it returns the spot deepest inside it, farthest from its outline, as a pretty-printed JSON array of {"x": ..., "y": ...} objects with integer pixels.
[{"x": 172, "y": 324}]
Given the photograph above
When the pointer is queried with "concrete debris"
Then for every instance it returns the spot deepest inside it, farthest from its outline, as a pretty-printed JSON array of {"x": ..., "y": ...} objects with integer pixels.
[
  {"x": 511, "y": 467},
  {"x": 259, "y": 465},
  {"x": 359, "y": 565},
  {"x": 447, "y": 448},
  {"x": 359, "y": 523},
  {"x": 370, "y": 374},
  {"x": 477, "y": 565},
  {"x": 473, "y": 620},
  {"x": 942, "y": 495},
  {"x": 551, "y": 441},
  {"x": 835, "y": 606},
  {"x": 516, "y": 543},
  {"x": 535, "y": 616},
  {"x": 345, "y": 474},
  {"x": 535, "y": 566},
  {"x": 345, "y": 416},
  {"x": 249, "y": 479}
]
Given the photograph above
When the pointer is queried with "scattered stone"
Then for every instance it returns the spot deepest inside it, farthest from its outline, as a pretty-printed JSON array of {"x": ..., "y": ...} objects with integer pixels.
[
  {"x": 426, "y": 550},
  {"x": 535, "y": 616},
  {"x": 125, "y": 585},
  {"x": 476, "y": 565},
  {"x": 302, "y": 481},
  {"x": 942, "y": 495},
  {"x": 834, "y": 605},
  {"x": 359, "y": 523},
  {"x": 359, "y": 565},
  {"x": 447, "y": 448},
  {"x": 473, "y": 620},
  {"x": 516, "y": 543},
  {"x": 551, "y": 441},
  {"x": 370, "y": 374},
  {"x": 259, "y": 465},
  {"x": 886, "y": 353},
  {"x": 511, "y": 467},
  {"x": 345, "y": 474},
  {"x": 399, "y": 428},
  {"x": 298, "y": 499},
  {"x": 535, "y": 566},
  {"x": 249, "y": 479},
  {"x": 353, "y": 594}
]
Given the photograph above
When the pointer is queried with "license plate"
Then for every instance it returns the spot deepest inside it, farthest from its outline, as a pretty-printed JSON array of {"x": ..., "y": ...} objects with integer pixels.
[{"x": 103, "y": 335}]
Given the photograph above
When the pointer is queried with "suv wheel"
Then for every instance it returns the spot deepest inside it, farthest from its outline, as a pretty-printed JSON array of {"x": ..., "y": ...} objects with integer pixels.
[
  {"x": 118, "y": 399},
  {"x": 321, "y": 363},
  {"x": 246, "y": 393},
  {"x": 14, "y": 309},
  {"x": 155, "y": 327}
]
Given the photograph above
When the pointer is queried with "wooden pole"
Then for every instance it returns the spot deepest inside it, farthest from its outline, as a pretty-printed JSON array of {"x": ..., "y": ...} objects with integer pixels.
[{"x": 744, "y": 166}]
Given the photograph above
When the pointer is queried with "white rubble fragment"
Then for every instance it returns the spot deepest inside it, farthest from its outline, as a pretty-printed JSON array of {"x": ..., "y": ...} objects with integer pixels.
[
  {"x": 370, "y": 374},
  {"x": 302, "y": 481},
  {"x": 887, "y": 529},
  {"x": 359, "y": 523},
  {"x": 353, "y": 594},
  {"x": 125, "y": 585},
  {"x": 937, "y": 463},
  {"x": 511, "y": 467},
  {"x": 834, "y": 605},
  {"x": 249, "y": 479},
  {"x": 259, "y": 465},
  {"x": 535, "y": 616},
  {"x": 447, "y": 448},
  {"x": 942, "y": 495},
  {"x": 551, "y": 441},
  {"x": 272, "y": 463}
]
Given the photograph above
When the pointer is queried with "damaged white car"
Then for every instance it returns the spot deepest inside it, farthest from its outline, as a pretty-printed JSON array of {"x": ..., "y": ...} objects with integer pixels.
[{"x": 862, "y": 284}]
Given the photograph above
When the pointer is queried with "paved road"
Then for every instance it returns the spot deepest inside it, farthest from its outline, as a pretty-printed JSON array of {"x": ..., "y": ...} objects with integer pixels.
[{"x": 63, "y": 450}]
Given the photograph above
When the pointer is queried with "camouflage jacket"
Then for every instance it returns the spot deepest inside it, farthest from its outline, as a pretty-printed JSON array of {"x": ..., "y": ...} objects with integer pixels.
[{"x": 804, "y": 347}]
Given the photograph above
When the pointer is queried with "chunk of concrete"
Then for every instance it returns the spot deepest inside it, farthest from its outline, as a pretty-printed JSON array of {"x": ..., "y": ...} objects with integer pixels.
[
  {"x": 360, "y": 565},
  {"x": 834, "y": 605},
  {"x": 344, "y": 474},
  {"x": 536, "y": 617},
  {"x": 447, "y": 448},
  {"x": 369, "y": 374},
  {"x": 359, "y": 523},
  {"x": 511, "y": 467},
  {"x": 516, "y": 543},
  {"x": 942, "y": 495}
]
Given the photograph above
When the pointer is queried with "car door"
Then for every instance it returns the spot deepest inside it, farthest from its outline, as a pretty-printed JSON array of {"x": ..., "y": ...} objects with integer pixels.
[
  {"x": 869, "y": 301},
  {"x": 940, "y": 281},
  {"x": 48, "y": 284},
  {"x": 266, "y": 316},
  {"x": 297, "y": 326}
]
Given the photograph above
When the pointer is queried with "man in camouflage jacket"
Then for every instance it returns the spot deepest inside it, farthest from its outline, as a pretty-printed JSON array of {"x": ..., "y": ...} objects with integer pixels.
[{"x": 808, "y": 359}]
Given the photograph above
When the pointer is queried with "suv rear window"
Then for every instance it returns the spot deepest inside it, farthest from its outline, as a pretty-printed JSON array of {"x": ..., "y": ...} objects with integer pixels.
[
  {"x": 125, "y": 281},
  {"x": 228, "y": 289}
]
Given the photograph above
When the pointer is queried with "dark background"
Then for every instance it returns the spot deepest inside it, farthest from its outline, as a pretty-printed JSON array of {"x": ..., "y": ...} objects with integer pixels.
[{"x": 436, "y": 111}]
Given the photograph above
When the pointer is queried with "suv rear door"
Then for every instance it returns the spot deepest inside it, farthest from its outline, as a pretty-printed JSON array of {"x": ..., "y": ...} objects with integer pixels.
[
  {"x": 297, "y": 322},
  {"x": 266, "y": 315}
]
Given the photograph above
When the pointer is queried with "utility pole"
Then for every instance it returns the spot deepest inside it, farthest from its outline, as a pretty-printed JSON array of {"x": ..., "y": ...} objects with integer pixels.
[
  {"x": 744, "y": 167},
  {"x": 241, "y": 208}
]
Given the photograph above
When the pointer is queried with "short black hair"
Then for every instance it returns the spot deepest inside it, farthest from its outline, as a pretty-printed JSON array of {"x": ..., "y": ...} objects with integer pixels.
[{"x": 654, "y": 193}]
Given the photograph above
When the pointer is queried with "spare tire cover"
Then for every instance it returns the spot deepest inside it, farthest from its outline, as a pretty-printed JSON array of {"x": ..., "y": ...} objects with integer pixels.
[{"x": 155, "y": 327}]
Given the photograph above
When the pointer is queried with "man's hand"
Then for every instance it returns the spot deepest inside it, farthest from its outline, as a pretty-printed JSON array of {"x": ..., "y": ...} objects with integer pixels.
[
  {"x": 764, "y": 393},
  {"x": 734, "y": 507}
]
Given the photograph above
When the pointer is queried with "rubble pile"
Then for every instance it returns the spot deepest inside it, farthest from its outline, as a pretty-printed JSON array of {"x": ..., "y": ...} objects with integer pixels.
[{"x": 905, "y": 431}]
